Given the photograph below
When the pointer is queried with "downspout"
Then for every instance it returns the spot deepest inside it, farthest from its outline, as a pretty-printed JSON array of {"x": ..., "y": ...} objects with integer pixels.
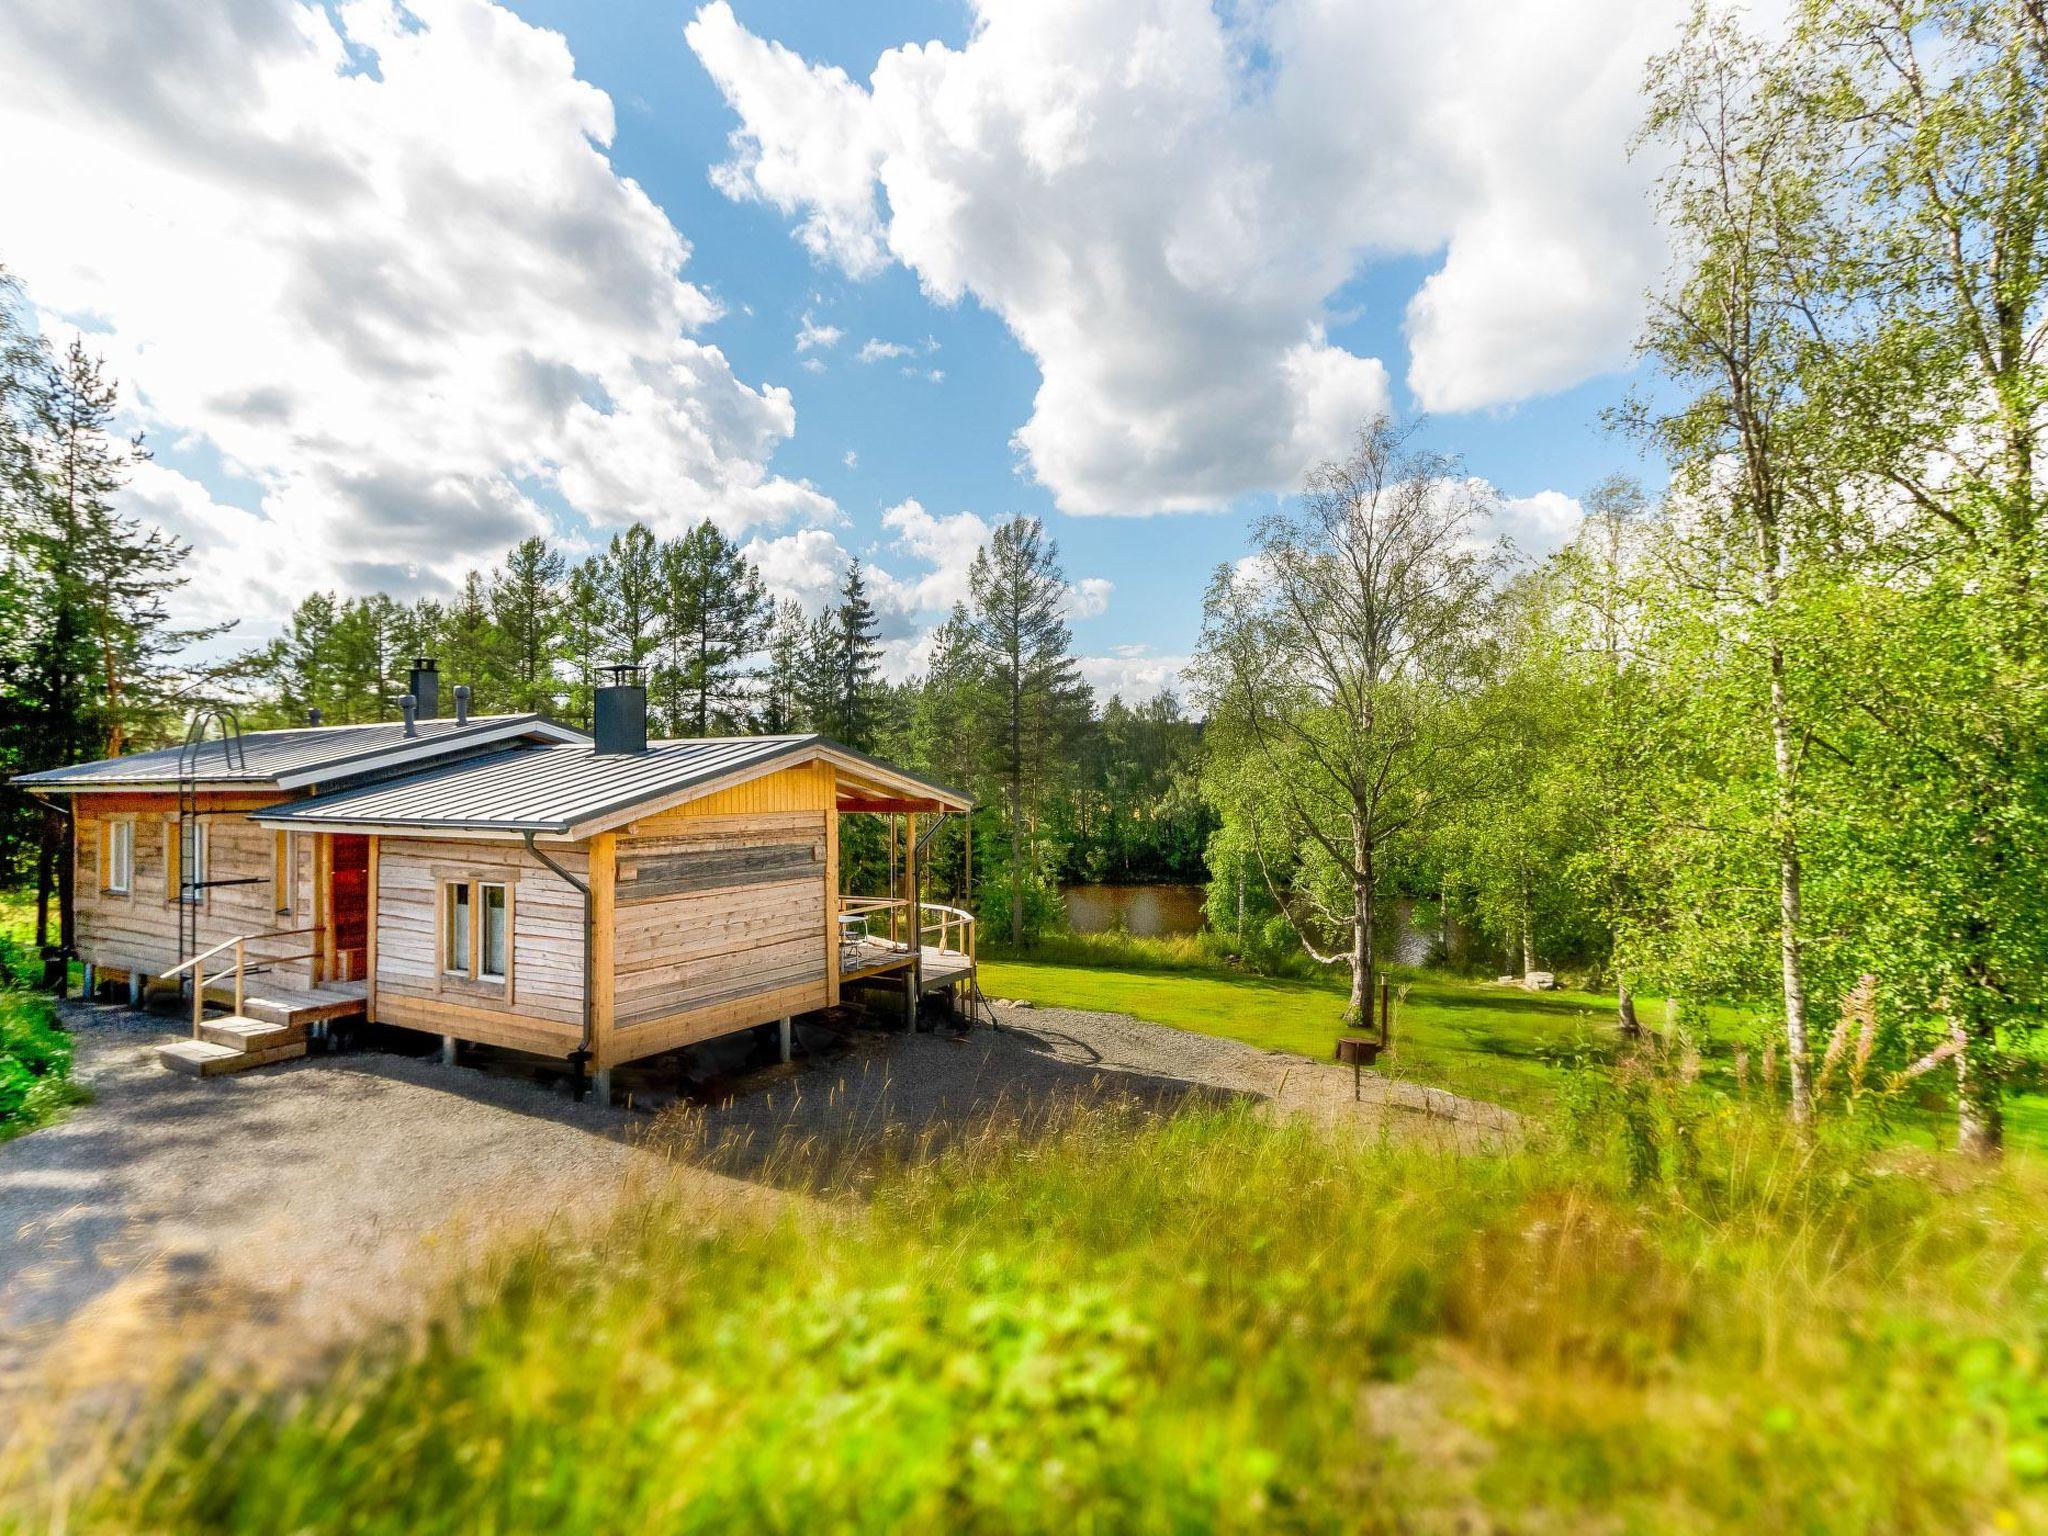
[{"x": 581, "y": 1055}]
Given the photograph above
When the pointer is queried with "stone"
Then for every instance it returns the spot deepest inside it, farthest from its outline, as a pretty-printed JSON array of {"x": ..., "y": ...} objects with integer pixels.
[{"x": 1540, "y": 981}]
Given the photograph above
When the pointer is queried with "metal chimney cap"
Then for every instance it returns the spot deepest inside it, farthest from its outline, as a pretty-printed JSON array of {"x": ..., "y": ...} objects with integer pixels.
[
  {"x": 407, "y": 704},
  {"x": 627, "y": 674}
]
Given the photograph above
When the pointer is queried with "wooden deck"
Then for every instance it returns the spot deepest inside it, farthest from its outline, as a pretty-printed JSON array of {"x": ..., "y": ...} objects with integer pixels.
[{"x": 877, "y": 957}]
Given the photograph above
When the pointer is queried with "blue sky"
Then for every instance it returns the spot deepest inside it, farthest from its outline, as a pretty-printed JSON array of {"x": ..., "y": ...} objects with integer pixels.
[{"x": 1267, "y": 223}]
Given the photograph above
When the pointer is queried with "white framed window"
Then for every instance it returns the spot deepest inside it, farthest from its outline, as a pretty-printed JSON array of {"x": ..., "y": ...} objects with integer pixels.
[
  {"x": 494, "y": 941},
  {"x": 476, "y": 931},
  {"x": 457, "y": 931},
  {"x": 117, "y": 871}
]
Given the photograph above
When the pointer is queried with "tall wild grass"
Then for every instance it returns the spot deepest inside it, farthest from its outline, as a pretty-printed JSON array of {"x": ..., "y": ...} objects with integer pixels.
[{"x": 1668, "y": 1314}]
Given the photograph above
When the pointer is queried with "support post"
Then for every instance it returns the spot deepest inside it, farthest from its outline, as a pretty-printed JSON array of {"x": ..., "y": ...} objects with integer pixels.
[
  {"x": 913, "y": 913},
  {"x": 784, "y": 1043},
  {"x": 134, "y": 987},
  {"x": 448, "y": 1045},
  {"x": 601, "y": 1081},
  {"x": 92, "y": 982}
]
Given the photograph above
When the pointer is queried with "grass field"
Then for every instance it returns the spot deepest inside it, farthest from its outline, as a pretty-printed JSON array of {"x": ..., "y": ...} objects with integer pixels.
[
  {"x": 1658, "y": 1311},
  {"x": 1663, "y": 1314},
  {"x": 1475, "y": 1038}
]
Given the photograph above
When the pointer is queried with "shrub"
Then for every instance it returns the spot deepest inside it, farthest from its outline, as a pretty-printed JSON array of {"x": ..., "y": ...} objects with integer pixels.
[{"x": 35, "y": 1061}]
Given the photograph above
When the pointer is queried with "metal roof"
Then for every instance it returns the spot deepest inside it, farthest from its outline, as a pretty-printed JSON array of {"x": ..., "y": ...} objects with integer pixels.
[
  {"x": 563, "y": 789},
  {"x": 301, "y": 756}
]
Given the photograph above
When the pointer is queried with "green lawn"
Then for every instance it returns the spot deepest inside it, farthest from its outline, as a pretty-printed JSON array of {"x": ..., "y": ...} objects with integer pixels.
[{"x": 1471, "y": 1037}]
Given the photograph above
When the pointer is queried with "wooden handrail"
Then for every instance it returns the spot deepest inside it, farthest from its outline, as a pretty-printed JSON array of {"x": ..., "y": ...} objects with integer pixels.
[
  {"x": 241, "y": 938},
  {"x": 239, "y": 970}
]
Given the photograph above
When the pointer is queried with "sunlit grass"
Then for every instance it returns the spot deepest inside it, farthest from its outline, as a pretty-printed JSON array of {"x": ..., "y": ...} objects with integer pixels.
[
  {"x": 1667, "y": 1315},
  {"x": 1476, "y": 1038}
]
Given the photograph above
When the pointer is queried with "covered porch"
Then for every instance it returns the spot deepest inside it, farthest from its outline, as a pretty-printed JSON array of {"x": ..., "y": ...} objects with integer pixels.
[{"x": 886, "y": 928}]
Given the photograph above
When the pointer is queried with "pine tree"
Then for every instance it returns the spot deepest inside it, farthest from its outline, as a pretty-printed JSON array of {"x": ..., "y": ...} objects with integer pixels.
[
  {"x": 472, "y": 649},
  {"x": 527, "y": 606},
  {"x": 628, "y": 593},
  {"x": 99, "y": 645},
  {"x": 716, "y": 614},
  {"x": 583, "y": 635},
  {"x": 1029, "y": 702}
]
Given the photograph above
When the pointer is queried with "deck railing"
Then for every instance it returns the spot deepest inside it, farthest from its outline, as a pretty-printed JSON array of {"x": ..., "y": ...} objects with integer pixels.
[
  {"x": 238, "y": 969},
  {"x": 886, "y": 920}
]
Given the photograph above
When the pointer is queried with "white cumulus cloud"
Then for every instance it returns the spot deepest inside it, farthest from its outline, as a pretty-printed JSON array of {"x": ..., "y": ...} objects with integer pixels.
[
  {"x": 377, "y": 261},
  {"x": 1161, "y": 197}
]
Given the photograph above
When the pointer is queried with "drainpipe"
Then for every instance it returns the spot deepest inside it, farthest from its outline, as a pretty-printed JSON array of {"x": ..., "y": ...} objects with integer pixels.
[{"x": 581, "y": 1055}]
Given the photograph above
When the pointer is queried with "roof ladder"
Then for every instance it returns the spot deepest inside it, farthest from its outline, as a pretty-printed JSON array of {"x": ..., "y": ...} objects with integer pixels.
[{"x": 189, "y": 846}]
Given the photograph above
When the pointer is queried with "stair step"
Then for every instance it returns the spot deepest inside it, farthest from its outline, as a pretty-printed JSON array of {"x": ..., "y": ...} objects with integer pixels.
[
  {"x": 244, "y": 1033},
  {"x": 209, "y": 1058}
]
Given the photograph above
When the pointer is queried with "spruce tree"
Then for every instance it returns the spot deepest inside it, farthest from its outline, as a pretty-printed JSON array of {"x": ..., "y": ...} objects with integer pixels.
[
  {"x": 782, "y": 695},
  {"x": 856, "y": 665}
]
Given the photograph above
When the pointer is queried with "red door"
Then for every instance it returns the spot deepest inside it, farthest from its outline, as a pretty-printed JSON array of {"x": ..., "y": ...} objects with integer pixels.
[{"x": 349, "y": 892}]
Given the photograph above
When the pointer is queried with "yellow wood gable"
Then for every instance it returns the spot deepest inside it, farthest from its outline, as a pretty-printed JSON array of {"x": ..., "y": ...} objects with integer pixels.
[{"x": 804, "y": 787}]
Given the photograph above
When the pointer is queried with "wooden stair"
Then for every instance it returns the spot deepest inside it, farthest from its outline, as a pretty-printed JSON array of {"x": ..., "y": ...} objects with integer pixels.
[
  {"x": 234, "y": 1044},
  {"x": 268, "y": 1029}
]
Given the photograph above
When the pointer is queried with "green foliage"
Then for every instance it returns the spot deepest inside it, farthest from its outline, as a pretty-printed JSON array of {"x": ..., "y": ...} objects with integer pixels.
[
  {"x": 35, "y": 1055},
  {"x": 1116, "y": 1321}
]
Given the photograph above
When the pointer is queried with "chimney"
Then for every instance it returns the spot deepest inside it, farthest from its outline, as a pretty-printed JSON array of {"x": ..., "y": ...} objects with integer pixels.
[
  {"x": 313, "y": 716},
  {"x": 407, "y": 704},
  {"x": 619, "y": 718},
  {"x": 426, "y": 687},
  {"x": 462, "y": 703}
]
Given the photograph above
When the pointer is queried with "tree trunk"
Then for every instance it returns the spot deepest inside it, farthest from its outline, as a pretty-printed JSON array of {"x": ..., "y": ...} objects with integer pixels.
[
  {"x": 1360, "y": 1009},
  {"x": 1625, "y": 1007},
  {"x": 1528, "y": 934},
  {"x": 1789, "y": 872},
  {"x": 1980, "y": 1108},
  {"x": 1016, "y": 866}
]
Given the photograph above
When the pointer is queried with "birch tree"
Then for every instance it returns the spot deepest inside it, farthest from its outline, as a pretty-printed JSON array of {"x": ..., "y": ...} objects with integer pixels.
[
  {"x": 1738, "y": 197},
  {"x": 1337, "y": 669}
]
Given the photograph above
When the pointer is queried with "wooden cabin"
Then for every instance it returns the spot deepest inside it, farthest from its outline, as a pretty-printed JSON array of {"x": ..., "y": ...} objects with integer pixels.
[{"x": 504, "y": 881}]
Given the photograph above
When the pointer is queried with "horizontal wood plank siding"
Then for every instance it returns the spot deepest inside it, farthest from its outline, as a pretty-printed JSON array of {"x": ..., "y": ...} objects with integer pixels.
[
  {"x": 722, "y": 913},
  {"x": 138, "y": 931},
  {"x": 544, "y": 998}
]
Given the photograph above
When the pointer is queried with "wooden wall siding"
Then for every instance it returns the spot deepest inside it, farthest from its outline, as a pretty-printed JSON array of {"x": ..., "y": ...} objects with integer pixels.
[
  {"x": 806, "y": 787},
  {"x": 139, "y": 931},
  {"x": 721, "y": 922},
  {"x": 542, "y": 1000}
]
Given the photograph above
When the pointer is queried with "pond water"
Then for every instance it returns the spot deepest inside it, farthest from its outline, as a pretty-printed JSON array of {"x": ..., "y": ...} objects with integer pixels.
[
  {"x": 1150, "y": 911},
  {"x": 1154, "y": 911}
]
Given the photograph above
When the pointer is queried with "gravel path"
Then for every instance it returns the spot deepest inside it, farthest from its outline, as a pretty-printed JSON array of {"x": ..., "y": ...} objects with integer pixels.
[
  {"x": 291, "y": 1205},
  {"x": 1044, "y": 1055}
]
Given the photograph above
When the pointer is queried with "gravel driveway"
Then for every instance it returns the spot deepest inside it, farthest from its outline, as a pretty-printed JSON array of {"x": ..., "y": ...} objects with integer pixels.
[{"x": 291, "y": 1205}]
